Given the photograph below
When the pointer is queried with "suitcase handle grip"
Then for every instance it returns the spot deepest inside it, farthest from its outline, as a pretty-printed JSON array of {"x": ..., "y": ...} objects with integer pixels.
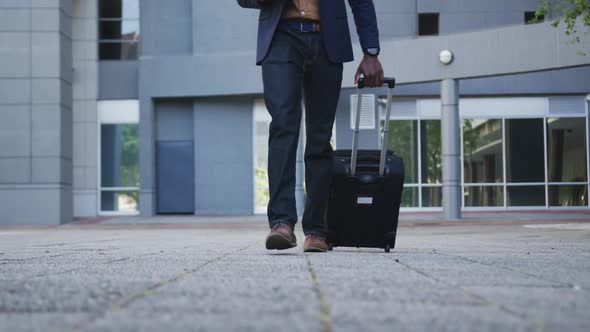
[
  {"x": 353, "y": 160},
  {"x": 390, "y": 81}
]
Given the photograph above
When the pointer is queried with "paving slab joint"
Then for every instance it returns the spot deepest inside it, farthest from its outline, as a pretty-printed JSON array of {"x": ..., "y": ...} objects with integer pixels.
[
  {"x": 537, "y": 324},
  {"x": 125, "y": 302},
  {"x": 324, "y": 315}
]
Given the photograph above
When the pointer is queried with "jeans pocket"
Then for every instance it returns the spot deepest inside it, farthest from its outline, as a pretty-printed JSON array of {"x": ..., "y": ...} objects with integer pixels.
[{"x": 282, "y": 51}]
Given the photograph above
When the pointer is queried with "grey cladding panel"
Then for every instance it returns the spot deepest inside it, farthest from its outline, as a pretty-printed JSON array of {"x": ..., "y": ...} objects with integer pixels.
[
  {"x": 403, "y": 108},
  {"x": 223, "y": 156},
  {"x": 567, "y": 105},
  {"x": 223, "y": 27},
  {"x": 175, "y": 177},
  {"x": 565, "y": 81},
  {"x": 174, "y": 120},
  {"x": 118, "y": 80},
  {"x": 166, "y": 27},
  {"x": 468, "y": 6}
]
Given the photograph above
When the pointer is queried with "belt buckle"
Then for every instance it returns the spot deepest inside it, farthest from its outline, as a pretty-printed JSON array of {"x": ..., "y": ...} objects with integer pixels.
[{"x": 313, "y": 27}]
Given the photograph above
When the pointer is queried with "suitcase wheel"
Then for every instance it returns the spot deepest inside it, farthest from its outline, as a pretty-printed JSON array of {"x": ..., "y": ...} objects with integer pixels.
[{"x": 387, "y": 248}]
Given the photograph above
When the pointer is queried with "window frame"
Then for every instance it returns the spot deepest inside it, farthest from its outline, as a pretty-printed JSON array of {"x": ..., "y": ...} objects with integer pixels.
[
  {"x": 101, "y": 41},
  {"x": 418, "y": 117},
  {"x": 424, "y": 111},
  {"x": 114, "y": 112}
]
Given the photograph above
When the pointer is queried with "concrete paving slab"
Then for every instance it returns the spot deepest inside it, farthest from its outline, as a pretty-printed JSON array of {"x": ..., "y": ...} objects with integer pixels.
[
  {"x": 217, "y": 276},
  {"x": 349, "y": 316},
  {"x": 553, "y": 309},
  {"x": 45, "y": 321}
]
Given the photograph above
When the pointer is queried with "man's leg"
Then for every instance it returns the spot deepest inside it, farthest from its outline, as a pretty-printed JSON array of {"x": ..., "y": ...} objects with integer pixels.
[
  {"x": 282, "y": 79},
  {"x": 322, "y": 84}
]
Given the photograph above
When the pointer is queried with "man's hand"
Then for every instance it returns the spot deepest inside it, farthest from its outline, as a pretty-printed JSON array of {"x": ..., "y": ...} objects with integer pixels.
[{"x": 371, "y": 68}]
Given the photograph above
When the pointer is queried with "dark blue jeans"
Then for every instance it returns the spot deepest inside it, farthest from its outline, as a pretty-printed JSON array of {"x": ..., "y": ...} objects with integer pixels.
[{"x": 297, "y": 67}]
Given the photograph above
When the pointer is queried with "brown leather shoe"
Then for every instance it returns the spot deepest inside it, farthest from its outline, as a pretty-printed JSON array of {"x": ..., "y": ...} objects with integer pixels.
[
  {"x": 281, "y": 237},
  {"x": 315, "y": 243}
]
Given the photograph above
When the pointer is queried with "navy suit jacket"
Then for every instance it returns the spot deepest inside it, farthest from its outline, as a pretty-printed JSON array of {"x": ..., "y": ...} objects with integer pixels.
[{"x": 334, "y": 26}]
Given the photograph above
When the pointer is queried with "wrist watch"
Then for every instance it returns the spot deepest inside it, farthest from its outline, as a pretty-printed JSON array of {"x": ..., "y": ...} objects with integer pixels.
[{"x": 373, "y": 51}]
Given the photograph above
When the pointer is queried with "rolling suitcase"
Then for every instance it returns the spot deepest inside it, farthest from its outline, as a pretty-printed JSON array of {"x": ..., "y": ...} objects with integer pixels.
[{"x": 366, "y": 189}]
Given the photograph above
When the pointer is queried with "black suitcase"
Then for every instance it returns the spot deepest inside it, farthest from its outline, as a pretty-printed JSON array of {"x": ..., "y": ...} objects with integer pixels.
[{"x": 365, "y": 193}]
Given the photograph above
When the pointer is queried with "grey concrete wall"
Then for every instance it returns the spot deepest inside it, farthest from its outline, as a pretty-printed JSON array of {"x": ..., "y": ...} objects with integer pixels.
[
  {"x": 511, "y": 50},
  {"x": 85, "y": 87},
  {"x": 469, "y": 15},
  {"x": 224, "y": 165},
  {"x": 544, "y": 83},
  {"x": 175, "y": 166},
  {"x": 565, "y": 105},
  {"x": 507, "y": 50},
  {"x": 147, "y": 155},
  {"x": 223, "y": 28},
  {"x": 35, "y": 112},
  {"x": 118, "y": 80},
  {"x": 174, "y": 120},
  {"x": 398, "y": 19},
  {"x": 230, "y": 50},
  {"x": 166, "y": 27}
]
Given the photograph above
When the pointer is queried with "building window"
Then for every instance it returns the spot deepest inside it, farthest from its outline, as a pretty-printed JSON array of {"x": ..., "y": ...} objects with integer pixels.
[
  {"x": 428, "y": 24},
  {"x": 482, "y": 162},
  {"x": 530, "y": 18},
  {"x": 515, "y": 153},
  {"x": 118, "y": 29},
  {"x": 482, "y": 142},
  {"x": 403, "y": 139},
  {"x": 544, "y": 161},
  {"x": 431, "y": 163},
  {"x": 119, "y": 157},
  {"x": 525, "y": 160},
  {"x": 566, "y": 158},
  {"x": 418, "y": 143}
]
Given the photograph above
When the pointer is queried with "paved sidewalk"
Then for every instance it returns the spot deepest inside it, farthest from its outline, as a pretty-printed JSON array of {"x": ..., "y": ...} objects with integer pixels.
[{"x": 217, "y": 276}]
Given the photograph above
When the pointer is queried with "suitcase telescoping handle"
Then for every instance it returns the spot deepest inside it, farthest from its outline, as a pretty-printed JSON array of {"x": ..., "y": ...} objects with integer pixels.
[{"x": 390, "y": 81}]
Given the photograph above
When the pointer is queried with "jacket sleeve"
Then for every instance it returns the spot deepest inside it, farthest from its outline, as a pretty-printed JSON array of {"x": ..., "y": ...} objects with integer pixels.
[
  {"x": 254, "y": 4},
  {"x": 366, "y": 22}
]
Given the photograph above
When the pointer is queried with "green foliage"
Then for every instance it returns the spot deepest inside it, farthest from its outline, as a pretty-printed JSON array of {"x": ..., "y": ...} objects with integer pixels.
[
  {"x": 130, "y": 157},
  {"x": 402, "y": 140},
  {"x": 261, "y": 184},
  {"x": 568, "y": 12},
  {"x": 431, "y": 151}
]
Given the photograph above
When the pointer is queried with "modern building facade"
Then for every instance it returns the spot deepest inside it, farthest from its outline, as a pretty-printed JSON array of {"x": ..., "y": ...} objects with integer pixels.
[{"x": 121, "y": 107}]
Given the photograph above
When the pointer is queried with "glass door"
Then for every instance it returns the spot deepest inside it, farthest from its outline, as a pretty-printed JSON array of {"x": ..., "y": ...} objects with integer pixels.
[{"x": 118, "y": 174}]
